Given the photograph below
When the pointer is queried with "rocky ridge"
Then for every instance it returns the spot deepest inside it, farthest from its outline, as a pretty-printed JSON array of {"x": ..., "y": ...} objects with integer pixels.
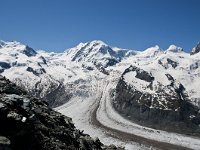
[{"x": 196, "y": 49}]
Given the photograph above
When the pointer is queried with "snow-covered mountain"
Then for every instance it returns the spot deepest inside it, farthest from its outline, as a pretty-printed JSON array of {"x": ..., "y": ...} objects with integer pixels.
[
  {"x": 98, "y": 53},
  {"x": 153, "y": 79}
]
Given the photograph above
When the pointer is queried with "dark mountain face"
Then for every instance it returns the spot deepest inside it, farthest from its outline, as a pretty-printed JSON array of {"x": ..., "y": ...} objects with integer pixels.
[
  {"x": 164, "y": 107},
  {"x": 28, "y": 51},
  {"x": 196, "y": 49},
  {"x": 4, "y": 65},
  {"x": 27, "y": 123}
]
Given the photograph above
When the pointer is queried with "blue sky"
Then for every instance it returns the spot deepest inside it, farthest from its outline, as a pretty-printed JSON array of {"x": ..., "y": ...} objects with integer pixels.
[{"x": 55, "y": 25}]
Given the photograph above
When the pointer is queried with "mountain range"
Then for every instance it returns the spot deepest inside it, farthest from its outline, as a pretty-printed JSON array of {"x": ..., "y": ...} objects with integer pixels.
[{"x": 154, "y": 88}]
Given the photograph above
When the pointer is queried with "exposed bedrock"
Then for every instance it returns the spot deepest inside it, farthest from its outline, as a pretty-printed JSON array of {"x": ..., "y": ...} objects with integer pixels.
[{"x": 160, "y": 106}]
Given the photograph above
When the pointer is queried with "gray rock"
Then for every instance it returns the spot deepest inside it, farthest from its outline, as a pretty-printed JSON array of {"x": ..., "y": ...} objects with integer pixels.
[
  {"x": 4, "y": 140},
  {"x": 196, "y": 49},
  {"x": 29, "y": 51},
  {"x": 4, "y": 143},
  {"x": 172, "y": 63},
  {"x": 36, "y": 72}
]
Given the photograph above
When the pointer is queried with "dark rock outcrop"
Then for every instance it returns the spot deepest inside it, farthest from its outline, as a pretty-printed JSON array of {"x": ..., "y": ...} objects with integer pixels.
[
  {"x": 28, "y": 51},
  {"x": 57, "y": 96},
  {"x": 140, "y": 74},
  {"x": 169, "y": 63},
  {"x": 195, "y": 65},
  {"x": 101, "y": 69},
  {"x": 172, "y": 63},
  {"x": 196, "y": 49},
  {"x": 36, "y": 72},
  {"x": 167, "y": 107},
  {"x": 3, "y": 66},
  {"x": 27, "y": 123}
]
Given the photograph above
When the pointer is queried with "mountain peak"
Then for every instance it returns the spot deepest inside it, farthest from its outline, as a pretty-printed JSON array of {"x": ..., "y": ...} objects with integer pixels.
[
  {"x": 151, "y": 52},
  {"x": 90, "y": 44},
  {"x": 154, "y": 48},
  {"x": 9, "y": 43},
  {"x": 196, "y": 49},
  {"x": 97, "y": 42},
  {"x": 174, "y": 48},
  {"x": 16, "y": 47}
]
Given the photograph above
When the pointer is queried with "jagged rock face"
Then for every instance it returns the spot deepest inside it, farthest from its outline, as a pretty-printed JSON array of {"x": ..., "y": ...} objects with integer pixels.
[
  {"x": 27, "y": 123},
  {"x": 142, "y": 99},
  {"x": 196, "y": 49},
  {"x": 28, "y": 51}
]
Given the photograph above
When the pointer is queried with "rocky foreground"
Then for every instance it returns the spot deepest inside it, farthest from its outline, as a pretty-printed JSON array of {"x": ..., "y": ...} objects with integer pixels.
[{"x": 27, "y": 123}]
